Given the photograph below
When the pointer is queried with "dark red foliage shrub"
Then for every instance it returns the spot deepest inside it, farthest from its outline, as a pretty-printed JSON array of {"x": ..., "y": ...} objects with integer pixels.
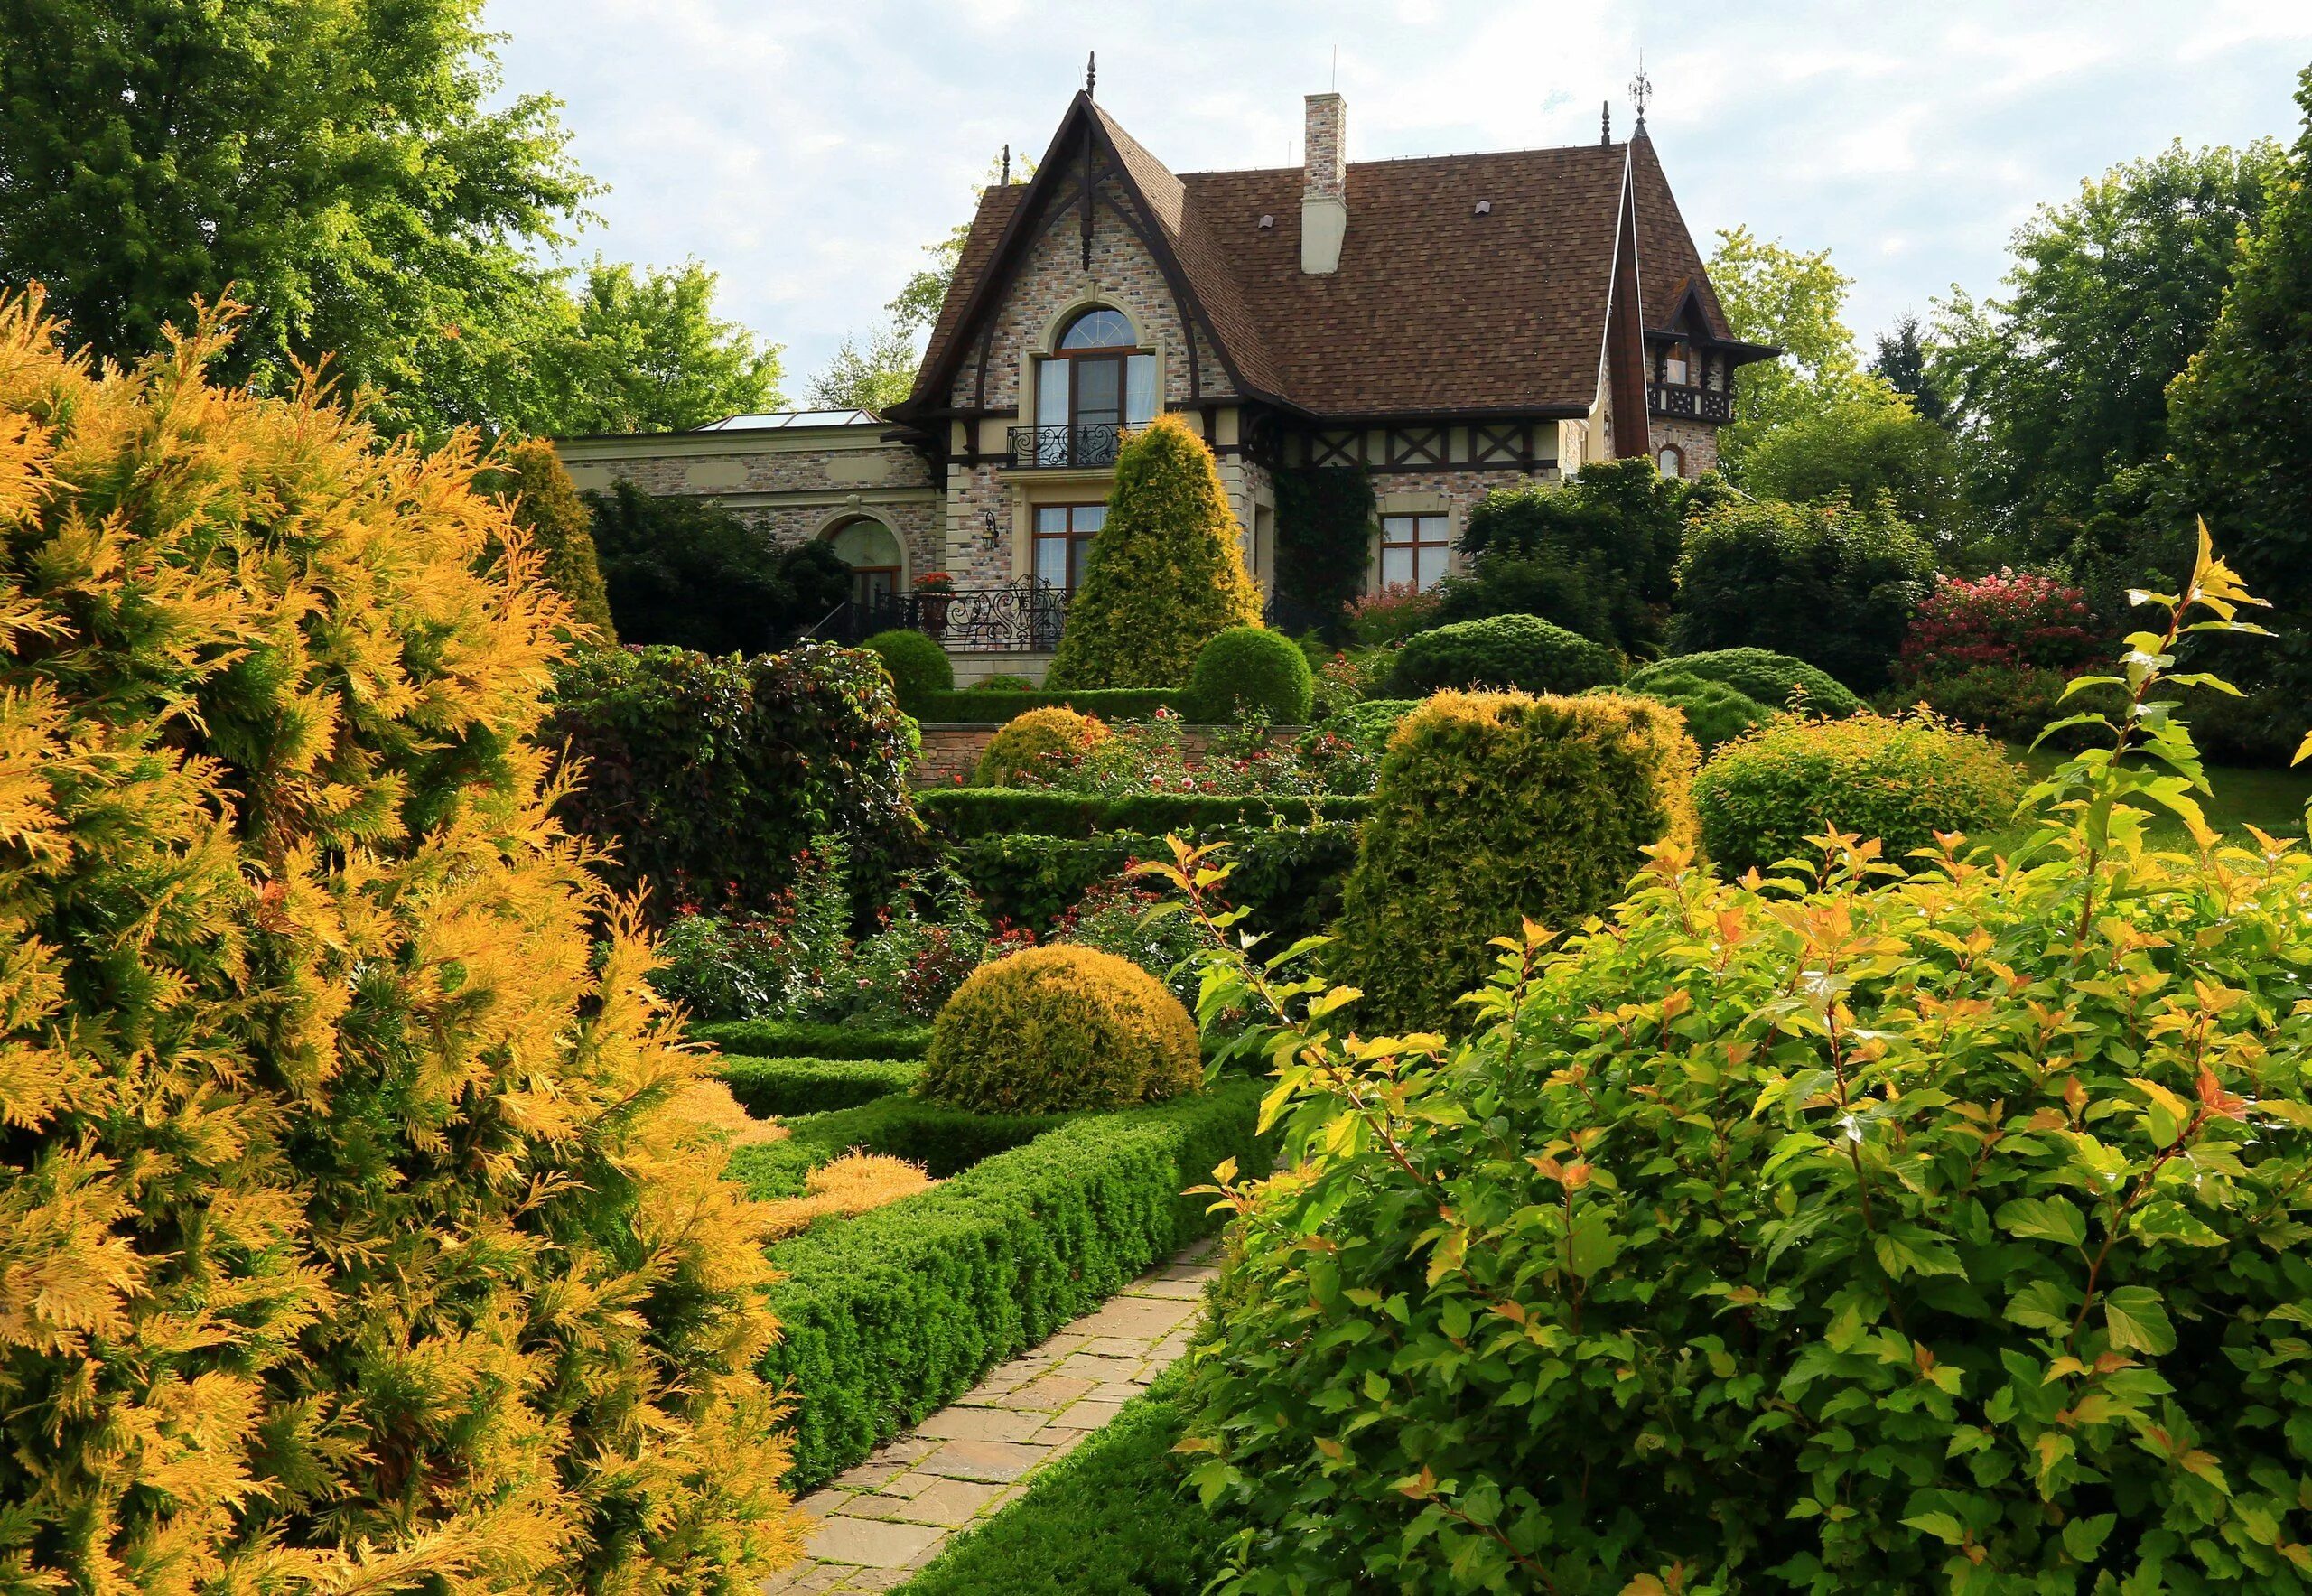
[{"x": 2014, "y": 621}]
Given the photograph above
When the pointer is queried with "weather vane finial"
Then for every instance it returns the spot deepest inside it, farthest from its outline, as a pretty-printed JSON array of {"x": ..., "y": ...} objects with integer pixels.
[
  {"x": 1605, "y": 121},
  {"x": 1641, "y": 90},
  {"x": 1091, "y": 70}
]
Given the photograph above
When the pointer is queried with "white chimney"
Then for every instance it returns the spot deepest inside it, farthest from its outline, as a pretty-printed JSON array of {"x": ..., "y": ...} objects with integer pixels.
[{"x": 1324, "y": 200}]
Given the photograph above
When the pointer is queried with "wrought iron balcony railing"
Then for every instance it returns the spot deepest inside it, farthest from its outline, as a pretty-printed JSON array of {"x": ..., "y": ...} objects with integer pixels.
[
  {"x": 1702, "y": 404},
  {"x": 1022, "y": 616},
  {"x": 1087, "y": 447}
]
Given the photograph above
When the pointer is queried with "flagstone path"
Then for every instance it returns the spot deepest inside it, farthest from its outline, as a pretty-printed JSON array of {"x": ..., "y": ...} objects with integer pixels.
[{"x": 884, "y": 1520}]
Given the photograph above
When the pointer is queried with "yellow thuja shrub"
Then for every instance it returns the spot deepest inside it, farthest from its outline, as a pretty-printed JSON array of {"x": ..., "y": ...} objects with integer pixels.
[
  {"x": 345, "y": 1243},
  {"x": 708, "y": 1107},
  {"x": 1059, "y": 1028},
  {"x": 1036, "y": 743},
  {"x": 851, "y": 1184}
]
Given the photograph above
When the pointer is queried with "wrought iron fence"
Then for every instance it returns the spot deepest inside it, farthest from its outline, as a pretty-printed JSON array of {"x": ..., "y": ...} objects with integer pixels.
[
  {"x": 1087, "y": 447},
  {"x": 1022, "y": 616}
]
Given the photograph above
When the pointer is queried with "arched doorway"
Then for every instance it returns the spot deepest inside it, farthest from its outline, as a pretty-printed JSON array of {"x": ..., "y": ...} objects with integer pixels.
[{"x": 871, "y": 550}]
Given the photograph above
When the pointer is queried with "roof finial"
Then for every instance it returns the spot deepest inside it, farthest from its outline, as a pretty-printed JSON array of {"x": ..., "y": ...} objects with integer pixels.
[
  {"x": 1007, "y": 166},
  {"x": 1641, "y": 90},
  {"x": 1605, "y": 121},
  {"x": 1091, "y": 72}
]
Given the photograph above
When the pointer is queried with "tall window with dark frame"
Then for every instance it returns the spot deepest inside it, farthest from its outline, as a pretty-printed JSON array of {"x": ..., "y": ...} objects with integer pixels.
[
  {"x": 1415, "y": 549},
  {"x": 1095, "y": 385},
  {"x": 1064, "y": 535}
]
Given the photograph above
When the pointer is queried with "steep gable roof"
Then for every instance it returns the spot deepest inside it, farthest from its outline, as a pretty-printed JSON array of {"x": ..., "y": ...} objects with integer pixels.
[{"x": 1434, "y": 308}]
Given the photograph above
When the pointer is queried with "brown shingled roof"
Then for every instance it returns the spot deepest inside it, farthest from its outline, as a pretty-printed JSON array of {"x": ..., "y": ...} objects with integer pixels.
[{"x": 1434, "y": 308}]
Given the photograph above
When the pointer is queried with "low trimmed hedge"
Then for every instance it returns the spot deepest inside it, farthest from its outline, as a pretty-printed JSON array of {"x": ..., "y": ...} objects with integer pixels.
[
  {"x": 781, "y": 1039},
  {"x": 992, "y": 706},
  {"x": 963, "y": 813},
  {"x": 782, "y": 1088},
  {"x": 1291, "y": 877},
  {"x": 1113, "y": 1517},
  {"x": 890, "y": 1316},
  {"x": 944, "y": 1141}
]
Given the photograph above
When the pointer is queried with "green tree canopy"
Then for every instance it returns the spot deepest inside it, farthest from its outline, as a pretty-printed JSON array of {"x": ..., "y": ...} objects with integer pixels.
[
  {"x": 2243, "y": 429},
  {"x": 1901, "y": 364},
  {"x": 872, "y": 373},
  {"x": 1167, "y": 573},
  {"x": 2062, "y": 384},
  {"x": 690, "y": 574},
  {"x": 648, "y": 353},
  {"x": 1795, "y": 300},
  {"x": 1871, "y": 444}
]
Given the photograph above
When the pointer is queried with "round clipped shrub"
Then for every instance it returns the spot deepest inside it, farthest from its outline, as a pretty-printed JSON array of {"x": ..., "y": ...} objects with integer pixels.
[
  {"x": 1057, "y": 1028},
  {"x": 1494, "y": 808},
  {"x": 1778, "y": 681},
  {"x": 1004, "y": 682},
  {"x": 918, "y": 666},
  {"x": 1029, "y": 747},
  {"x": 351, "y": 1242},
  {"x": 1521, "y": 652},
  {"x": 1900, "y": 778},
  {"x": 1371, "y": 723},
  {"x": 1715, "y": 713},
  {"x": 1251, "y": 667}
]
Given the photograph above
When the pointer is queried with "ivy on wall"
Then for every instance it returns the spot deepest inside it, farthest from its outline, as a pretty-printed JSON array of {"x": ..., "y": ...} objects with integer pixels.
[{"x": 1324, "y": 536}]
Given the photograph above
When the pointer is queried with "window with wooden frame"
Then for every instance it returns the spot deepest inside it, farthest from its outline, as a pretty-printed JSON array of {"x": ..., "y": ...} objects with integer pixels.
[
  {"x": 1415, "y": 549},
  {"x": 1093, "y": 384},
  {"x": 1064, "y": 534},
  {"x": 1671, "y": 461}
]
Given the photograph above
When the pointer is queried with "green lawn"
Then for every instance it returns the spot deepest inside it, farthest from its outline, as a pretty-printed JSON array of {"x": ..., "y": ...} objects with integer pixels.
[{"x": 2271, "y": 800}]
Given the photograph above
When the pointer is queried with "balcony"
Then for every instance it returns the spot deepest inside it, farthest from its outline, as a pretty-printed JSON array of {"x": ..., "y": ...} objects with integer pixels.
[
  {"x": 1020, "y": 617},
  {"x": 1089, "y": 447},
  {"x": 1683, "y": 399}
]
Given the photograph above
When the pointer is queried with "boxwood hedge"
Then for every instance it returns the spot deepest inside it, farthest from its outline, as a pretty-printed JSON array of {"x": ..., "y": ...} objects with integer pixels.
[
  {"x": 781, "y": 1039},
  {"x": 783, "y": 1088},
  {"x": 888, "y": 1316}
]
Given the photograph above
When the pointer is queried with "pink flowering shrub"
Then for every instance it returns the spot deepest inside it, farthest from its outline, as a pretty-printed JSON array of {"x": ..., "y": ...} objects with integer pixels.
[
  {"x": 1395, "y": 612},
  {"x": 2015, "y": 621}
]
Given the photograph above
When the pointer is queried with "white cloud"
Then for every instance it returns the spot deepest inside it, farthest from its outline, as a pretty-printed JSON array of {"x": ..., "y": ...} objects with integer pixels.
[{"x": 808, "y": 150}]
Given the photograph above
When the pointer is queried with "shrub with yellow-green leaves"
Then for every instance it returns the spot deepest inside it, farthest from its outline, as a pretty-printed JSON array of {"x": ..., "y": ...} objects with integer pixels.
[
  {"x": 1167, "y": 572},
  {"x": 1034, "y": 746},
  {"x": 1059, "y": 1028},
  {"x": 1870, "y": 1232},
  {"x": 1495, "y": 809},
  {"x": 344, "y": 1241}
]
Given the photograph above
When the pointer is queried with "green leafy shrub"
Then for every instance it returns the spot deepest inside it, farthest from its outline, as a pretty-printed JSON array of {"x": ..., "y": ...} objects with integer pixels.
[
  {"x": 1111, "y": 1519},
  {"x": 1167, "y": 571},
  {"x": 1250, "y": 668},
  {"x": 1325, "y": 520},
  {"x": 1854, "y": 1238},
  {"x": 1495, "y": 809},
  {"x": 1714, "y": 712},
  {"x": 777, "y": 1088},
  {"x": 1897, "y": 779},
  {"x": 332, "y": 1077},
  {"x": 1034, "y": 744},
  {"x": 1832, "y": 584},
  {"x": 991, "y": 705},
  {"x": 780, "y": 1038},
  {"x": 1058, "y": 1027},
  {"x": 2007, "y": 702},
  {"x": 686, "y": 573},
  {"x": 1004, "y": 682},
  {"x": 1778, "y": 681},
  {"x": 918, "y": 666},
  {"x": 887, "y": 1317},
  {"x": 711, "y": 775},
  {"x": 1520, "y": 652}
]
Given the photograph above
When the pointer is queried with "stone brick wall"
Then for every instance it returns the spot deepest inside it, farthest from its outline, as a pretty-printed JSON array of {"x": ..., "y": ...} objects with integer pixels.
[
  {"x": 1452, "y": 491},
  {"x": 1326, "y": 137},
  {"x": 1697, "y": 440}
]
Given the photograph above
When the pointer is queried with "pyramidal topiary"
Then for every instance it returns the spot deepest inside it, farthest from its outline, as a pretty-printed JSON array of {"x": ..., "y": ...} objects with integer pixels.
[
  {"x": 1167, "y": 573},
  {"x": 343, "y": 1242}
]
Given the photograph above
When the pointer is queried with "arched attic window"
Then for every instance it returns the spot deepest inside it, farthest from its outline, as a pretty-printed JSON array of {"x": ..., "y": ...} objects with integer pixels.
[{"x": 1095, "y": 382}]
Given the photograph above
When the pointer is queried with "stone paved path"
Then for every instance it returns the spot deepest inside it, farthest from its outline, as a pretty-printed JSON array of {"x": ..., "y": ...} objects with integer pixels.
[{"x": 884, "y": 1520}]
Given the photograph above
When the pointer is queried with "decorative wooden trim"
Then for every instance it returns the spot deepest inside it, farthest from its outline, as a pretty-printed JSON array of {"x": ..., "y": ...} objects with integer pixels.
[
  {"x": 1337, "y": 448},
  {"x": 1507, "y": 443},
  {"x": 1419, "y": 446}
]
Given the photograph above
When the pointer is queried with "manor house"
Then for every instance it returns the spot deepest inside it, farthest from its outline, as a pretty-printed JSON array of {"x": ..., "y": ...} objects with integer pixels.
[{"x": 1448, "y": 324}]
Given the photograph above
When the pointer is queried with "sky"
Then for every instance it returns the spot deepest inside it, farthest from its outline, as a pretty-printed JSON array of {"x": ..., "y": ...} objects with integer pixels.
[{"x": 806, "y": 150}]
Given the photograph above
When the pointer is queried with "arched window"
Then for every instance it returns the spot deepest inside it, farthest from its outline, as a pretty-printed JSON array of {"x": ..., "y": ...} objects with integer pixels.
[
  {"x": 1671, "y": 461},
  {"x": 1094, "y": 385},
  {"x": 873, "y": 552}
]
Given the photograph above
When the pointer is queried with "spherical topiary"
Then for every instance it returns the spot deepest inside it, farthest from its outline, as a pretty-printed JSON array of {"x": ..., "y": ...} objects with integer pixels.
[
  {"x": 1057, "y": 1028},
  {"x": 1775, "y": 680},
  {"x": 1715, "y": 713},
  {"x": 1034, "y": 744},
  {"x": 918, "y": 666},
  {"x": 1897, "y": 779},
  {"x": 1522, "y": 652},
  {"x": 1494, "y": 808},
  {"x": 1251, "y": 667}
]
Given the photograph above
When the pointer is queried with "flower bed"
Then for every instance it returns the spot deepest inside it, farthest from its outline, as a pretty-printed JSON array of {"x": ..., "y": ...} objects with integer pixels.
[
  {"x": 892, "y": 1314},
  {"x": 992, "y": 706}
]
